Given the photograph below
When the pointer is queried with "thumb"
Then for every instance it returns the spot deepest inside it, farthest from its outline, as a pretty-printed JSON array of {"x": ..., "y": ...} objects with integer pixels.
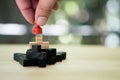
[{"x": 43, "y": 11}]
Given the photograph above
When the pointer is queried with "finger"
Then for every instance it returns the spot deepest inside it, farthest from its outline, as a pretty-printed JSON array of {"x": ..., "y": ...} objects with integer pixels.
[
  {"x": 43, "y": 11},
  {"x": 26, "y": 9},
  {"x": 55, "y": 7},
  {"x": 34, "y": 4}
]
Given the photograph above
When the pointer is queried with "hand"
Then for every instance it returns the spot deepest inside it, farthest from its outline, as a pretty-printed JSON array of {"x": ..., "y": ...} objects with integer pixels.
[{"x": 38, "y": 10}]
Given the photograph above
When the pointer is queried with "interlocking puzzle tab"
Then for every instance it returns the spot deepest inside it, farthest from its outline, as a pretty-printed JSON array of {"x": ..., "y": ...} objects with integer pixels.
[{"x": 39, "y": 53}]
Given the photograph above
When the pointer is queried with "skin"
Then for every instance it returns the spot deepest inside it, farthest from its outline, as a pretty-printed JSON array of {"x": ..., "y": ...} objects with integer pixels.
[{"x": 34, "y": 9}]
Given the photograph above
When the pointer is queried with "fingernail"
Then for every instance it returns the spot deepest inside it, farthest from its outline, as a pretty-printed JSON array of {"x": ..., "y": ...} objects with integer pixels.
[{"x": 41, "y": 21}]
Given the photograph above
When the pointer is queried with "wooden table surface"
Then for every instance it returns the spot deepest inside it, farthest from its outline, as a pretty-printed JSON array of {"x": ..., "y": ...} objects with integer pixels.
[{"x": 82, "y": 63}]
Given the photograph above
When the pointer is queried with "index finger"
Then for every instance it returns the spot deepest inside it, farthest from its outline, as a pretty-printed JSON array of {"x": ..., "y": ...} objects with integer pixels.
[{"x": 26, "y": 9}]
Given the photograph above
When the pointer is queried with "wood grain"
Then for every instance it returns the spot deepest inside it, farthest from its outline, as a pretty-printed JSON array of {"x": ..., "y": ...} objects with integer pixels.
[{"x": 82, "y": 63}]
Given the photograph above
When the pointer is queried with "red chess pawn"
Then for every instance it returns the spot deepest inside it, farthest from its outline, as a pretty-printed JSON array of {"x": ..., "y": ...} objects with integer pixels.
[{"x": 36, "y": 29}]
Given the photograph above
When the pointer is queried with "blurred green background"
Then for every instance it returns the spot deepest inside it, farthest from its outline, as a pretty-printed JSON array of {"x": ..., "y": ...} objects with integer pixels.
[{"x": 83, "y": 22}]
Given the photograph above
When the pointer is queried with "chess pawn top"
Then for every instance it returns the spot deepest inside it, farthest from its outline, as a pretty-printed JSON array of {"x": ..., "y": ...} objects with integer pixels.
[{"x": 36, "y": 29}]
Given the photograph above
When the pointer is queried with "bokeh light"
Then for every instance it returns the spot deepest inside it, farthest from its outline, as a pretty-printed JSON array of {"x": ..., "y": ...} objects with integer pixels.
[{"x": 71, "y": 8}]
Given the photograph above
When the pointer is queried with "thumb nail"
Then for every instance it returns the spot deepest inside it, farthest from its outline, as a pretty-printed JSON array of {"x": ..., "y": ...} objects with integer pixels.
[{"x": 41, "y": 21}]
